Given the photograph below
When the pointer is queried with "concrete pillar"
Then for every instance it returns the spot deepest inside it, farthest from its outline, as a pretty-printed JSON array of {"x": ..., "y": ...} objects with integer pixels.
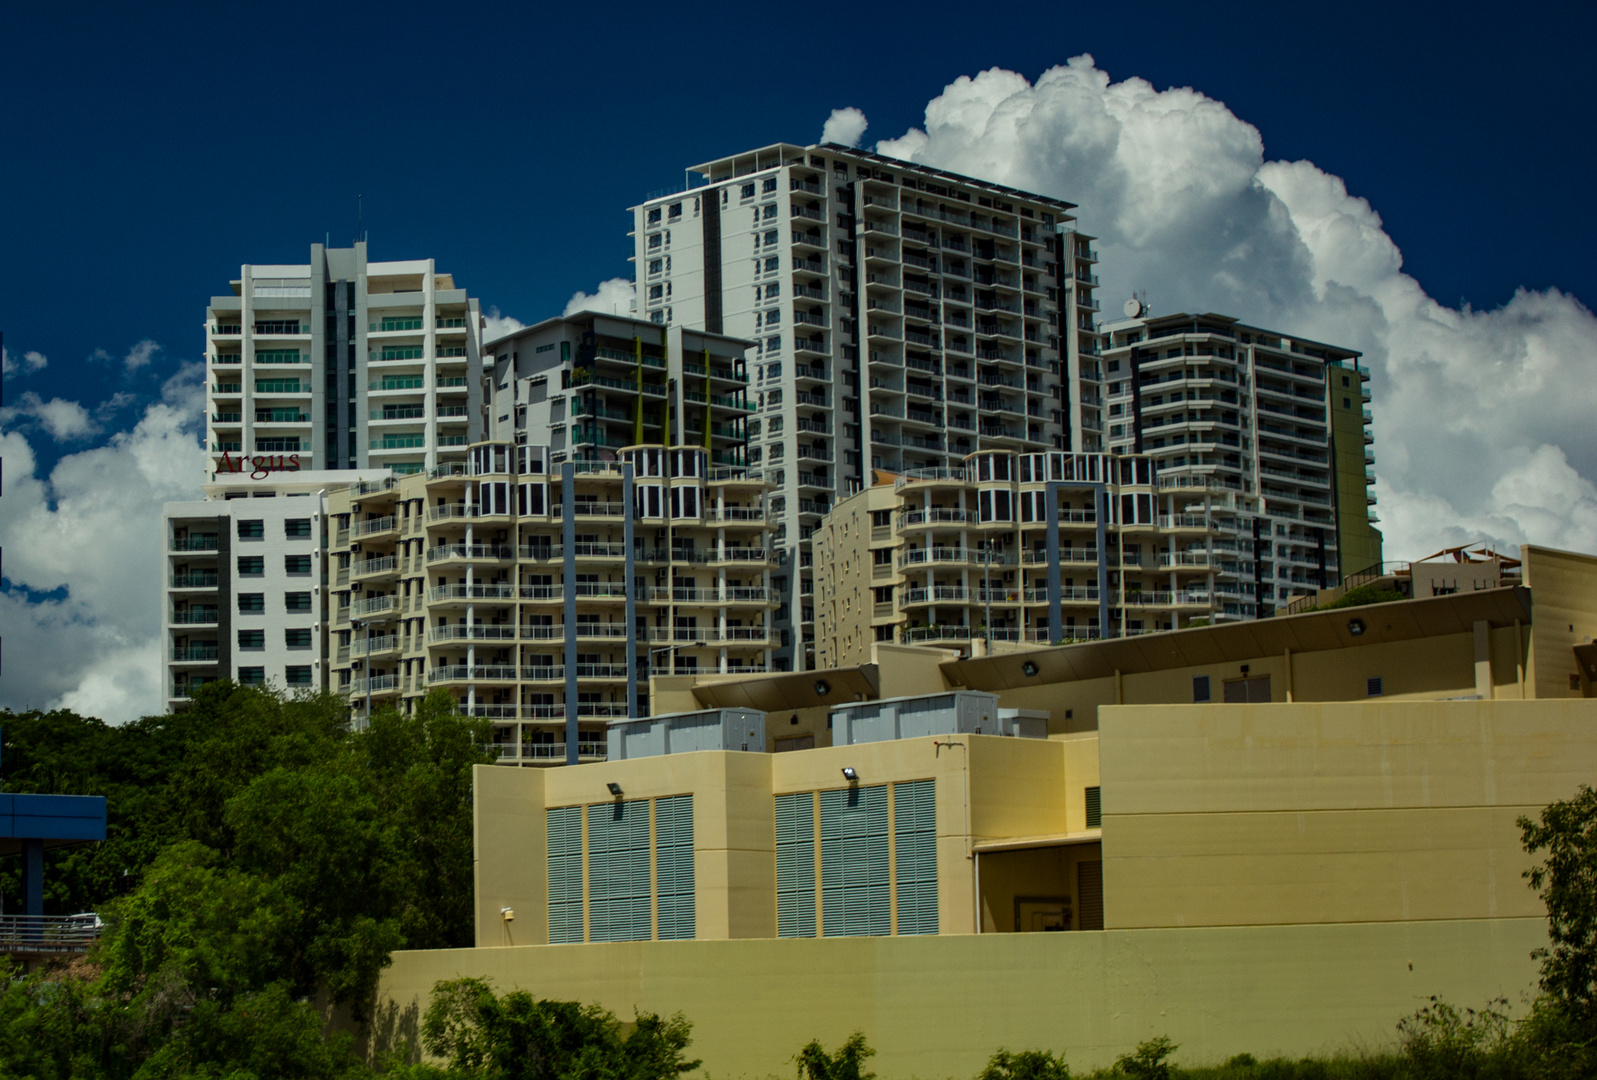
[{"x": 1483, "y": 660}]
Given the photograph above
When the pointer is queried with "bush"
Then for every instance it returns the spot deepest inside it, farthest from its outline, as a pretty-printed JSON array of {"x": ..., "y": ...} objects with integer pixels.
[
  {"x": 1147, "y": 1061},
  {"x": 847, "y": 1063},
  {"x": 1026, "y": 1065}
]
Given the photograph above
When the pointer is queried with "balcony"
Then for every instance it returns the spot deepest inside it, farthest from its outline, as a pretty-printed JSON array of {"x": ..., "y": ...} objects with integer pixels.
[
  {"x": 195, "y": 617},
  {"x": 195, "y": 654},
  {"x": 202, "y": 542},
  {"x": 201, "y": 579}
]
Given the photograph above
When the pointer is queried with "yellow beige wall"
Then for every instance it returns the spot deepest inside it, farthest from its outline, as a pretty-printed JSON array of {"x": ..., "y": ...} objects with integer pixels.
[
  {"x": 939, "y": 1006},
  {"x": 986, "y": 788},
  {"x": 1564, "y": 590},
  {"x": 1330, "y": 813}
]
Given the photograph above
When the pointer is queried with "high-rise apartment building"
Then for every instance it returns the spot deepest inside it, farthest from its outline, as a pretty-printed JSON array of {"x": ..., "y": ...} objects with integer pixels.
[
  {"x": 1243, "y": 409},
  {"x": 904, "y": 317},
  {"x": 542, "y": 593},
  {"x": 1028, "y": 549},
  {"x": 244, "y": 583},
  {"x": 341, "y": 363}
]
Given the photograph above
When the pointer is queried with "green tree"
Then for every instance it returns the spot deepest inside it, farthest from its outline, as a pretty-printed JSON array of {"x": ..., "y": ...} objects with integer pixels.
[
  {"x": 516, "y": 1036},
  {"x": 846, "y": 1063},
  {"x": 1149, "y": 1061},
  {"x": 1567, "y": 884}
]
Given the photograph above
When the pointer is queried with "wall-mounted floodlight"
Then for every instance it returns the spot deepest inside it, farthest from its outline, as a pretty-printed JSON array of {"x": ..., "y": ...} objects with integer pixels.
[
  {"x": 508, "y": 914},
  {"x": 614, "y": 788},
  {"x": 822, "y": 688},
  {"x": 1028, "y": 668},
  {"x": 1355, "y": 627},
  {"x": 850, "y": 773}
]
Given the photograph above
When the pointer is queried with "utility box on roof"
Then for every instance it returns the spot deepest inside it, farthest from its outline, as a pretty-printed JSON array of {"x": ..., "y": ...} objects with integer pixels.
[
  {"x": 1024, "y": 723},
  {"x": 682, "y": 733},
  {"x": 956, "y": 712}
]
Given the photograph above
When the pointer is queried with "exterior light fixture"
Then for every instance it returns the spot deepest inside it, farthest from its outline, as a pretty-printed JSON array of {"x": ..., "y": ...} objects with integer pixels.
[
  {"x": 1355, "y": 627},
  {"x": 615, "y": 788},
  {"x": 822, "y": 688},
  {"x": 508, "y": 914},
  {"x": 850, "y": 773},
  {"x": 1028, "y": 669}
]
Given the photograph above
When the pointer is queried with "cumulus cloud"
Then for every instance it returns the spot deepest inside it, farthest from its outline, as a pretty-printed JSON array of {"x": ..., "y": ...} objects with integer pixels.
[
  {"x": 1482, "y": 426},
  {"x": 613, "y": 297},
  {"x": 27, "y": 365},
  {"x": 846, "y": 126},
  {"x": 496, "y": 326},
  {"x": 139, "y": 356},
  {"x": 82, "y": 555},
  {"x": 64, "y": 421}
]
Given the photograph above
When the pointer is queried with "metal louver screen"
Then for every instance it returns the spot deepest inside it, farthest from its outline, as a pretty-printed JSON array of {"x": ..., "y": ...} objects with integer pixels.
[
  {"x": 673, "y": 867},
  {"x": 1095, "y": 808},
  {"x": 618, "y": 871},
  {"x": 854, "y": 893},
  {"x": 565, "y": 875},
  {"x": 915, "y": 855},
  {"x": 795, "y": 865},
  {"x": 1089, "y": 895}
]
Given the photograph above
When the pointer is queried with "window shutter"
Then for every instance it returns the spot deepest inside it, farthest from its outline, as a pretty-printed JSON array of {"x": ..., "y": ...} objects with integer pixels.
[
  {"x": 673, "y": 867},
  {"x": 795, "y": 865},
  {"x": 618, "y": 871},
  {"x": 915, "y": 855},
  {"x": 1095, "y": 808},
  {"x": 854, "y": 892},
  {"x": 1089, "y": 895},
  {"x": 565, "y": 875}
]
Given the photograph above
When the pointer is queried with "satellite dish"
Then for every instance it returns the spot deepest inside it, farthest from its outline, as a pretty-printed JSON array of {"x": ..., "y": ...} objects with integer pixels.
[{"x": 1132, "y": 308}]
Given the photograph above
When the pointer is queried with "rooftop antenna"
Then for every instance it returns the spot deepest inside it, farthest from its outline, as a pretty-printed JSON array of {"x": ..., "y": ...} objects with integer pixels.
[{"x": 1137, "y": 307}]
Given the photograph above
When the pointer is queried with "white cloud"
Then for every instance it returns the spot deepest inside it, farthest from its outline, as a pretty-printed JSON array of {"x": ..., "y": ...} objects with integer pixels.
[
  {"x": 92, "y": 529},
  {"x": 140, "y": 355},
  {"x": 65, "y": 421},
  {"x": 1482, "y": 418},
  {"x": 496, "y": 326},
  {"x": 613, "y": 297},
  {"x": 846, "y": 126},
  {"x": 31, "y": 361}
]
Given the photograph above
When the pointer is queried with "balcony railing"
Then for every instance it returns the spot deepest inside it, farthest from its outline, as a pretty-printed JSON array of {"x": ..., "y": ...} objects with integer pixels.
[{"x": 48, "y": 933}]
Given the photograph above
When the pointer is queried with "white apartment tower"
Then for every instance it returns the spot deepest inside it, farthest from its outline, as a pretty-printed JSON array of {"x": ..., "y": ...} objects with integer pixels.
[
  {"x": 341, "y": 363},
  {"x": 905, "y": 318},
  {"x": 1220, "y": 405}
]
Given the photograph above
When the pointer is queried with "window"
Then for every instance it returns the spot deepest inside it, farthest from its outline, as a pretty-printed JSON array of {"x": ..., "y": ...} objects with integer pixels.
[
  {"x": 564, "y": 828},
  {"x": 675, "y": 210},
  {"x": 673, "y": 868},
  {"x": 252, "y": 639},
  {"x": 654, "y": 266},
  {"x": 251, "y": 565},
  {"x": 795, "y": 865},
  {"x": 1200, "y": 688},
  {"x": 656, "y": 292},
  {"x": 297, "y": 675},
  {"x": 251, "y": 530},
  {"x": 618, "y": 871},
  {"x": 654, "y": 241},
  {"x": 769, "y": 212},
  {"x": 252, "y": 602},
  {"x": 747, "y": 192},
  {"x": 1247, "y": 691},
  {"x": 854, "y": 894},
  {"x": 769, "y": 185},
  {"x": 297, "y": 528},
  {"x": 915, "y": 862},
  {"x": 772, "y": 265},
  {"x": 1372, "y": 686},
  {"x": 297, "y": 638},
  {"x": 1094, "y": 801},
  {"x": 297, "y": 601},
  {"x": 1347, "y": 403},
  {"x": 296, "y": 565},
  {"x": 654, "y": 216},
  {"x": 252, "y": 676}
]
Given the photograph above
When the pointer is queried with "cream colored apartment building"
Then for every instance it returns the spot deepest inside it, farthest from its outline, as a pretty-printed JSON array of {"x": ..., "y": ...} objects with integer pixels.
[
  {"x": 903, "y": 317},
  {"x": 342, "y": 363},
  {"x": 1009, "y": 549},
  {"x": 542, "y": 594}
]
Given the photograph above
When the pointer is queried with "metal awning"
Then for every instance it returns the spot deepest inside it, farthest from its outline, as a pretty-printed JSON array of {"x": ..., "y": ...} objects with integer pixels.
[
  {"x": 1021, "y": 843},
  {"x": 788, "y": 690}
]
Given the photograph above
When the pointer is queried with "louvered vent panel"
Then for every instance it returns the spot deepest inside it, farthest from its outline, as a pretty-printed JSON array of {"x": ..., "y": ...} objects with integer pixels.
[
  {"x": 915, "y": 852},
  {"x": 673, "y": 867},
  {"x": 854, "y": 892},
  {"x": 618, "y": 871},
  {"x": 795, "y": 865},
  {"x": 565, "y": 875}
]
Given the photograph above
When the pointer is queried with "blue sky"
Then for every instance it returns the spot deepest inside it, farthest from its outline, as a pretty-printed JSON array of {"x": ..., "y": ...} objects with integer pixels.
[{"x": 1357, "y": 173}]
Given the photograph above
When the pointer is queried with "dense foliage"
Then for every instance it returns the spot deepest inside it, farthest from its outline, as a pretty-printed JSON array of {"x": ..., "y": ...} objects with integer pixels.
[{"x": 268, "y": 859}]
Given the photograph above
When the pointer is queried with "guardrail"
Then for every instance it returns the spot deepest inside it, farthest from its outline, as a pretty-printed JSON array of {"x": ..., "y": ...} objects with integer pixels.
[{"x": 48, "y": 933}]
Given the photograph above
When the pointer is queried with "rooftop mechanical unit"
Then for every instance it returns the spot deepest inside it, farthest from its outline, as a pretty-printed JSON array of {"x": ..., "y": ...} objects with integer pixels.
[
  {"x": 683, "y": 733},
  {"x": 956, "y": 712}
]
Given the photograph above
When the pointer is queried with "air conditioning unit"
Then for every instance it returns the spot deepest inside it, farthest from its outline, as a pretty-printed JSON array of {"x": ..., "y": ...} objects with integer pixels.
[
  {"x": 355, "y": 548},
  {"x": 355, "y": 587},
  {"x": 354, "y": 508}
]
